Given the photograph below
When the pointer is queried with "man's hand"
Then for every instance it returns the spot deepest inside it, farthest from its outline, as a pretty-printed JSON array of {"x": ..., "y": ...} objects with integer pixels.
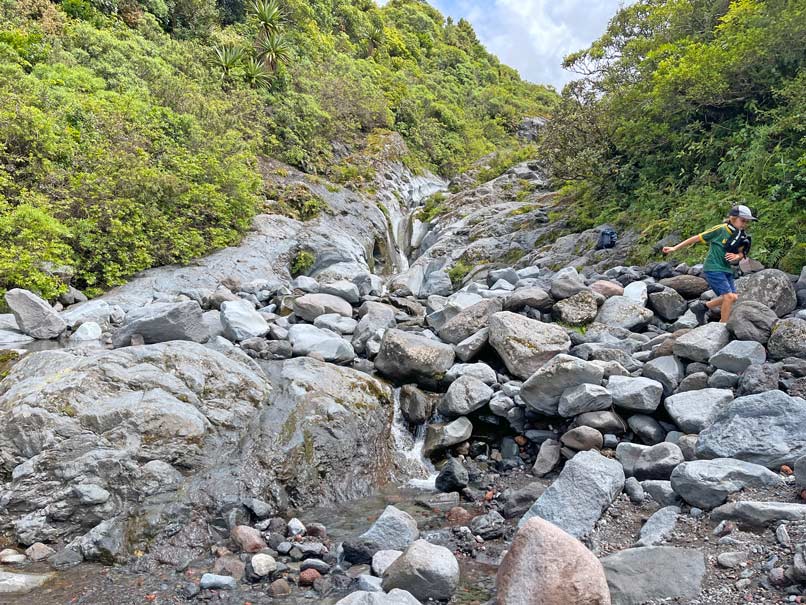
[
  {"x": 669, "y": 249},
  {"x": 732, "y": 258}
]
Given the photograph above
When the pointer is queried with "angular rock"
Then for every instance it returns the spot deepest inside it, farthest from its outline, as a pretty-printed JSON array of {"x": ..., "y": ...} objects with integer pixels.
[
  {"x": 416, "y": 405},
  {"x": 688, "y": 286},
  {"x": 163, "y": 322},
  {"x": 439, "y": 437},
  {"x": 658, "y": 461},
  {"x": 469, "y": 321},
  {"x": 751, "y": 320},
  {"x": 336, "y": 323},
  {"x": 240, "y": 320},
  {"x": 633, "y": 574},
  {"x": 577, "y": 310},
  {"x": 34, "y": 316},
  {"x": 769, "y": 287},
  {"x": 628, "y": 454},
  {"x": 767, "y": 429},
  {"x": 737, "y": 355},
  {"x": 525, "y": 344},
  {"x": 586, "y": 487},
  {"x": 639, "y": 394},
  {"x": 659, "y": 526},
  {"x": 466, "y": 394},
  {"x": 393, "y": 597},
  {"x": 472, "y": 345},
  {"x": 393, "y": 530},
  {"x": 542, "y": 391},
  {"x": 547, "y": 458},
  {"x": 623, "y": 312},
  {"x": 517, "y": 501},
  {"x": 306, "y": 339},
  {"x": 759, "y": 379},
  {"x": 668, "y": 304},
  {"x": 788, "y": 339},
  {"x": 374, "y": 317},
  {"x": 646, "y": 428},
  {"x": 707, "y": 483},
  {"x": 452, "y": 478},
  {"x": 667, "y": 370},
  {"x": 382, "y": 559},
  {"x": 536, "y": 298},
  {"x": 692, "y": 411},
  {"x": 546, "y": 566},
  {"x": 488, "y": 526},
  {"x": 565, "y": 283},
  {"x": 584, "y": 398},
  {"x": 311, "y": 306},
  {"x": 404, "y": 355},
  {"x": 701, "y": 343},
  {"x": 753, "y": 514},
  {"x": 343, "y": 289},
  {"x": 427, "y": 571}
]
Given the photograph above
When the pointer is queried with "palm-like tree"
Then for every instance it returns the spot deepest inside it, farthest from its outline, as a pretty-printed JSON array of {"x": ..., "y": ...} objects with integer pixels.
[
  {"x": 375, "y": 38},
  {"x": 227, "y": 58},
  {"x": 272, "y": 50},
  {"x": 269, "y": 14},
  {"x": 254, "y": 72}
]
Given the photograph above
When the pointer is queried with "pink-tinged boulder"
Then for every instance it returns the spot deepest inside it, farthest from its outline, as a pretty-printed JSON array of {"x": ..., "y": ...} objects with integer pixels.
[
  {"x": 607, "y": 288},
  {"x": 247, "y": 538},
  {"x": 546, "y": 566}
]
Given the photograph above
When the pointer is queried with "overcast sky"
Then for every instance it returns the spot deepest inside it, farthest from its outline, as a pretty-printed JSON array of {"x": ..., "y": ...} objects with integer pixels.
[{"x": 533, "y": 36}]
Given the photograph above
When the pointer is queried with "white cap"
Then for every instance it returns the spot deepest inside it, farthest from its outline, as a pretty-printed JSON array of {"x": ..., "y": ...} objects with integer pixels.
[{"x": 742, "y": 212}]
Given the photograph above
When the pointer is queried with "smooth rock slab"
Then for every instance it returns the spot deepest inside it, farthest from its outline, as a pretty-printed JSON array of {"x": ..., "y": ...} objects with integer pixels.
[
  {"x": 692, "y": 411},
  {"x": 525, "y": 344},
  {"x": 767, "y": 429},
  {"x": 586, "y": 487},
  {"x": 638, "y": 575},
  {"x": 427, "y": 571},
  {"x": 21, "y": 583},
  {"x": 546, "y": 566},
  {"x": 708, "y": 483}
]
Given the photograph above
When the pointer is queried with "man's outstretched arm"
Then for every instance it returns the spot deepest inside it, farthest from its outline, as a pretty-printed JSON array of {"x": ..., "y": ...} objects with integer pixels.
[{"x": 684, "y": 244}]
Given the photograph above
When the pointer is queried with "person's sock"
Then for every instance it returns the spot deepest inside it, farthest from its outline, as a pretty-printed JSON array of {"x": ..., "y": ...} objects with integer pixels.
[{"x": 700, "y": 311}]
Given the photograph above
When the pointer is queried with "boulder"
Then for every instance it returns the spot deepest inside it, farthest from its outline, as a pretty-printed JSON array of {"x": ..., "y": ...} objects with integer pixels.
[
  {"x": 534, "y": 297},
  {"x": 241, "y": 321},
  {"x": 707, "y": 483},
  {"x": 667, "y": 370},
  {"x": 311, "y": 306},
  {"x": 439, "y": 437},
  {"x": 769, "y": 287},
  {"x": 756, "y": 515},
  {"x": 34, "y": 316},
  {"x": 651, "y": 573},
  {"x": 472, "y": 345},
  {"x": 452, "y": 478},
  {"x": 577, "y": 310},
  {"x": 751, "y": 320},
  {"x": 628, "y": 454},
  {"x": 466, "y": 394},
  {"x": 343, "y": 289},
  {"x": 788, "y": 339},
  {"x": 659, "y": 526},
  {"x": 737, "y": 355},
  {"x": 525, "y": 344},
  {"x": 416, "y": 405},
  {"x": 162, "y": 322},
  {"x": 639, "y": 394},
  {"x": 668, "y": 304},
  {"x": 767, "y": 429},
  {"x": 544, "y": 388},
  {"x": 22, "y": 583},
  {"x": 425, "y": 570},
  {"x": 566, "y": 282},
  {"x": 623, "y": 312},
  {"x": 646, "y": 428},
  {"x": 688, "y": 286},
  {"x": 657, "y": 461},
  {"x": 407, "y": 356},
  {"x": 637, "y": 291},
  {"x": 582, "y": 438},
  {"x": 374, "y": 317},
  {"x": 692, "y": 411},
  {"x": 393, "y": 597},
  {"x": 701, "y": 343},
  {"x": 306, "y": 339},
  {"x": 607, "y": 288},
  {"x": 586, "y": 487},
  {"x": 759, "y": 379},
  {"x": 336, "y": 323},
  {"x": 393, "y": 530},
  {"x": 469, "y": 321},
  {"x": 546, "y": 566},
  {"x": 584, "y": 398}
]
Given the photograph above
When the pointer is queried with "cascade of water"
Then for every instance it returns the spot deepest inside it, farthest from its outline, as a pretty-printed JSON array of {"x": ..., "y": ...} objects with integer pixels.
[{"x": 410, "y": 448}]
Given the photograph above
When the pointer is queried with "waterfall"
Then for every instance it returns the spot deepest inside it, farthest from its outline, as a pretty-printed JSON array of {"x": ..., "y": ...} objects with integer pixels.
[{"x": 409, "y": 447}]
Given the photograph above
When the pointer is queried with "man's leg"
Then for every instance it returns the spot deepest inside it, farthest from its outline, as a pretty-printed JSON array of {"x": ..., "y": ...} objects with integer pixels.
[
  {"x": 727, "y": 305},
  {"x": 714, "y": 302}
]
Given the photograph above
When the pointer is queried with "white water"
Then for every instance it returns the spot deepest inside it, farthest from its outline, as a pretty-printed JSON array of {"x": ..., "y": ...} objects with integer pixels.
[{"x": 409, "y": 449}]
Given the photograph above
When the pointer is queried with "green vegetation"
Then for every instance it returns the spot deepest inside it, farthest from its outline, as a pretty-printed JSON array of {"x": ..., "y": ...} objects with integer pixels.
[
  {"x": 686, "y": 107},
  {"x": 296, "y": 201},
  {"x": 432, "y": 208},
  {"x": 302, "y": 263},
  {"x": 130, "y": 130},
  {"x": 503, "y": 160},
  {"x": 459, "y": 271}
]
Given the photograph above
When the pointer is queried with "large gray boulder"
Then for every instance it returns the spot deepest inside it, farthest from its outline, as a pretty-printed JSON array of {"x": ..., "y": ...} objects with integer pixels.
[
  {"x": 544, "y": 388},
  {"x": 34, "y": 316},
  {"x": 657, "y": 461},
  {"x": 586, "y": 487},
  {"x": 427, "y": 571},
  {"x": 623, "y": 312},
  {"x": 374, "y": 317},
  {"x": 654, "y": 573},
  {"x": 668, "y": 304},
  {"x": 525, "y": 344},
  {"x": 466, "y": 394},
  {"x": 311, "y": 306},
  {"x": 584, "y": 398},
  {"x": 737, "y": 355},
  {"x": 162, "y": 322},
  {"x": 667, "y": 370},
  {"x": 439, "y": 437},
  {"x": 566, "y": 282},
  {"x": 395, "y": 529},
  {"x": 701, "y": 343},
  {"x": 639, "y": 394},
  {"x": 306, "y": 339},
  {"x": 769, "y": 287},
  {"x": 22, "y": 583},
  {"x": 469, "y": 321},
  {"x": 755, "y": 515},
  {"x": 407, "y": 356},
  {"x": 577, "y": 310},
  {"x": 788, "y": 339},
  {"x": 708, "y": 483},
  {"x": 750, "y": 320},
  {"x": 240, "y": 320},
  {"x": 692, "y": 411},
  {"x": 767, "y": 429},
  {"x": 393, "y": 597},
  {"x": 534, "y": 297}
]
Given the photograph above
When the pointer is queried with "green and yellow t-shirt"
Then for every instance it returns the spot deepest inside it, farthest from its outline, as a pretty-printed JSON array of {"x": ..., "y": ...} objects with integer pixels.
[{"x": 717, "y": 236}]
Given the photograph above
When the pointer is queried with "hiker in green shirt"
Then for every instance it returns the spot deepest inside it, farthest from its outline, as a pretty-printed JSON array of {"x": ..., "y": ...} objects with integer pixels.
[{"x": 727, "y": 243}]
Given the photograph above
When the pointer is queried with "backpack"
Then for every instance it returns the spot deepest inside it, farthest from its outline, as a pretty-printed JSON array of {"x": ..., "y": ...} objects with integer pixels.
[
  {"x": 739, "y": 242},
  {"x": 607, "y": 239}
]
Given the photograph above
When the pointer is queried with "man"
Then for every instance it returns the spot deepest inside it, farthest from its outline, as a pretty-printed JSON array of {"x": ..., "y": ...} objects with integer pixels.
[{"x": 727, "y": 243}]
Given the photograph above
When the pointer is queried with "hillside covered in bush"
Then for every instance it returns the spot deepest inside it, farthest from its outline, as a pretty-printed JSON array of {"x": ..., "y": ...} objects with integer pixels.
[
  {"x": 684, "y": 107},
  {"x": 131, "y": 130}
]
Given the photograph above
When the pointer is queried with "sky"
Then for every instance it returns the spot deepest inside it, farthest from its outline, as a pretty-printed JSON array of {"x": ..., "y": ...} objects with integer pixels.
[{"x": 533, "y": 36}]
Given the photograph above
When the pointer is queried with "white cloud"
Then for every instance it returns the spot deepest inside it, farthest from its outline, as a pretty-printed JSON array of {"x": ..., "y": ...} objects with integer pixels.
[{"x": 533, "y": 36}]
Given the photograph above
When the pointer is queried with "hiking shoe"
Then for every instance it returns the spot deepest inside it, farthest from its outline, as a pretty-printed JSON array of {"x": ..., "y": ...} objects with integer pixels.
[{"x": 700, "y": 312}]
